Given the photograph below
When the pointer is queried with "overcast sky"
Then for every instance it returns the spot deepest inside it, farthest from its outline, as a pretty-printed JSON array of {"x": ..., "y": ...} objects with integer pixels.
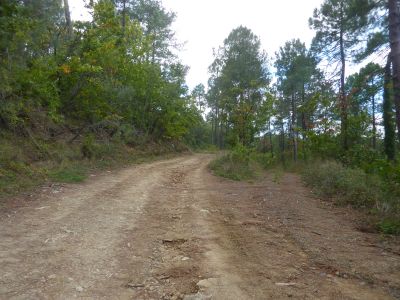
[{"x": 204, "y": 25}]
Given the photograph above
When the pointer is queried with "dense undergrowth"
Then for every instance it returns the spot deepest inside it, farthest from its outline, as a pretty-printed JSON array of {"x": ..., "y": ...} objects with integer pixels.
[
  {"x": 374, "y": 192},
  {"x": 26, "y": 163},
  {"x": 353, "y": 186},
  {"x": 240, "y": 164}
]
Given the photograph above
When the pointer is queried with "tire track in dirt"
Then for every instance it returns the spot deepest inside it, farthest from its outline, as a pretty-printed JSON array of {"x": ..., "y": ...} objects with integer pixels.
[
  {"x": 171, "y": 230},
  {"x": 71, "y": 244}
]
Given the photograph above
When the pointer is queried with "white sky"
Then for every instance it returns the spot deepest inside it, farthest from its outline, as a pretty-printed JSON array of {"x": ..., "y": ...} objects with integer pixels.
[{"x": 204, "y": 24}]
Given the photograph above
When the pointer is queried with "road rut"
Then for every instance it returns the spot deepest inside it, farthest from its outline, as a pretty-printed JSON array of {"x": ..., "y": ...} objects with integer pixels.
[{"x": 171, "y": 230}]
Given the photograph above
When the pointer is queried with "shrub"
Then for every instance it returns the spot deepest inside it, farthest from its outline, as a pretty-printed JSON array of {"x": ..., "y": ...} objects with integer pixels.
[
  {"x": 236, "y": 165},
  {"x": 242, "y": 163},
  {"x": 264, "y": 159},
  {"x": 359, "y": 189},
  {"x": 346, "y": 185}
]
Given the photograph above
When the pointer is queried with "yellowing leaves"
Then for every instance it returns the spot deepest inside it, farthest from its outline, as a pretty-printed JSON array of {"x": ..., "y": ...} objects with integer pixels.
[{"x": 66, "y": 69}]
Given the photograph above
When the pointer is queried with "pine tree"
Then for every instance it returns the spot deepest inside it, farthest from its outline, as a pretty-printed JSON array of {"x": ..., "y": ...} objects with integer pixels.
[
  {"x": 335, "y": 23},
  {"x": 388, "y": 120}
]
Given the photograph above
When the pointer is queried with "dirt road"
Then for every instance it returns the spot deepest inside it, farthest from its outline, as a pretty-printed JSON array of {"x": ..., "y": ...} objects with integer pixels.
[{"x": 171, "y": 230}]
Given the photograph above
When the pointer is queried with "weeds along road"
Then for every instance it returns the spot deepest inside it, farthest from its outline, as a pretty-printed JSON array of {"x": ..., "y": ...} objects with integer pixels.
[{"x": 171, "y": 230}]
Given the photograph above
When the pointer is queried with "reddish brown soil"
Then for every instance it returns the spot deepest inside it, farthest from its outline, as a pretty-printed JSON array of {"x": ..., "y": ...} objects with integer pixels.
[{"x": 171, "y": 230}]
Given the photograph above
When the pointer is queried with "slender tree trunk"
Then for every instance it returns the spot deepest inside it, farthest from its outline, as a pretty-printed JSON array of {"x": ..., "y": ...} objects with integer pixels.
[
  {"x": 216, "y": 126},
  {"x": 394, "y": 37},
  {"x": 219, "y": 129},
  {"x": 293, "y": 127},
  {"x": 303, "y": 124},
  {"x": 343, "y": 98},
  {"x": 388, "y": 122},
  {"x": 226, "y": 131},
  {"x": 373, "y": 123},
  {"x": 123, "y": 17},
  {"x": 282, "y": 142},
  {"x": 212, "y": 130},
  {"x": 270, "y": 138},
  {"x": 68, "y": 18}
]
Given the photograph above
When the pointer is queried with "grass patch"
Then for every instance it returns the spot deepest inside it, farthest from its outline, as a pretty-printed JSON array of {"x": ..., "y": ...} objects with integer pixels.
[
  {"x": 240, "y": 164},
  {"x": 277, "y": 174},
  {"x": 389, "y": 226},
  {"x": 69, "y": 174},
  {"x": 230, "y": 167}
]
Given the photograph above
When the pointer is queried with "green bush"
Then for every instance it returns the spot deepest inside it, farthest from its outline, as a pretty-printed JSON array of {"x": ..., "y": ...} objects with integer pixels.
[
  {"x": 242, "y": 163},
  {"x": 346, "y": 185},
  {"x": 69, "y": 174},
  {"x": 264, "y": 159},
  {"x": 236, "y": 165},
  {"x": 360, "y": 189}
]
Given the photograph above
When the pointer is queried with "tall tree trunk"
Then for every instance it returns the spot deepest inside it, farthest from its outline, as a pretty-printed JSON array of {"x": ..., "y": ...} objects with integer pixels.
[
  {"x": 68, "y": 18},
  {"x": 343, "y": 98},
  {"x": 212, "y": 130},
  {"x": 388, "y": 122},
  {"x": 304, "y": 124},
  {"x": 294, "y": 130},
  {"x": 394, "y": 37},
  {"x": 282, "y": 142},
  {"x": 373, "y": 123},
  {"x": 270, "y": 138},
  {"x": 123, "y": 16},
  {"x": 217, "y": 120}
]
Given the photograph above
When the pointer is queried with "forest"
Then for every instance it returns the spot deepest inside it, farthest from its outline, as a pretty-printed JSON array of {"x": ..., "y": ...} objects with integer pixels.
[{"x": 76, "y": 93}]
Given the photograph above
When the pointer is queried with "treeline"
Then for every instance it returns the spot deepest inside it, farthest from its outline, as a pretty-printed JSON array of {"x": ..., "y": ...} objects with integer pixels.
[
  {"x": 115, "y": 75},
  {"x": 308, "y": 107},
  {"x": 305, "y": 112}
]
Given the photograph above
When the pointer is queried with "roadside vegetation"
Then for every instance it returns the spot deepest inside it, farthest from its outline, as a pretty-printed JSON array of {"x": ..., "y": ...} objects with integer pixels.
[
  {"x": 25, "y": 165},
  {"x": 375, "y": 194},
  {"x": 241, "y": 163},
  {"x": 81, "y": 95},
  {"x": 340, "y": 131}
]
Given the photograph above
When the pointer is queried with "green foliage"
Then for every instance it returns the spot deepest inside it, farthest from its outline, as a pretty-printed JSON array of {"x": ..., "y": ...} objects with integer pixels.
[
  {"x": 226, "y": 166},
  {"x": 238, "y": 88},
  {"x": 93, "y": 91},
  {"x": 390, "y": 226},
  {"x": 241, "y": 163},
  {"x": 88, "y": 147},
  {"x": 352, "y": 186},
  {"x": 106, "y": 69},
  {"x": 16, "y": 172},
  {"x": 265, "y": 160},
  {"x": 69, "y": 174},
  {"x": 23, "y": 165}
]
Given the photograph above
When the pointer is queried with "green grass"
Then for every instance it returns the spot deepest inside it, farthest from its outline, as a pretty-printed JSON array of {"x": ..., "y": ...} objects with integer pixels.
[
  {"x": 277, "y": 174},
  {"x": 239, "y": 164},
  {"x": 227, "y": 167},
  {"x": 70, "y": 174},
  {"x": 389, "y": 226}
]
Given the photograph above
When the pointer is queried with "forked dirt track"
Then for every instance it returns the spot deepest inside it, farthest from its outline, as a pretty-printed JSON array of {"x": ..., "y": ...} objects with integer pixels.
[{"x": 172, "y": 230}]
